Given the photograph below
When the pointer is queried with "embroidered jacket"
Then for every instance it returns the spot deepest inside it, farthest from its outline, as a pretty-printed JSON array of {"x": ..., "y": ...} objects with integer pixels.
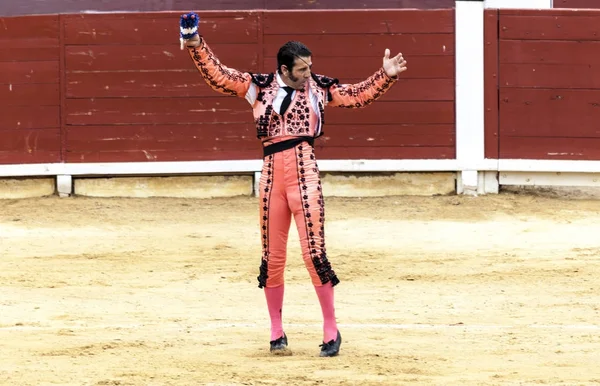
[{"x": 306, "y": 114}]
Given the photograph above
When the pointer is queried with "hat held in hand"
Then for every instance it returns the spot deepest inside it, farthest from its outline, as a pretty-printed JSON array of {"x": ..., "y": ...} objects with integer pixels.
[{"x": 188, "y": 27}]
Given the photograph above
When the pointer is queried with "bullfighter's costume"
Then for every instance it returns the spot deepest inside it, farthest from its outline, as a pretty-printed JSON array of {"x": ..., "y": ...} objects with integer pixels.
[{"x": 288, "y": 121}]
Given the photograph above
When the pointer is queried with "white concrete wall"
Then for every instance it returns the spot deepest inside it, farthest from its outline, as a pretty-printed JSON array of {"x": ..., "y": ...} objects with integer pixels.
[{"x": 15, "y": 188}]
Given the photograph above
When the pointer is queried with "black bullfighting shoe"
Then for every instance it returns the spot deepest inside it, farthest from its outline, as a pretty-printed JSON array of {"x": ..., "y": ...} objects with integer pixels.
[
  {"x": 279, "y": 346},
  {"x": 331, "y": 348}
]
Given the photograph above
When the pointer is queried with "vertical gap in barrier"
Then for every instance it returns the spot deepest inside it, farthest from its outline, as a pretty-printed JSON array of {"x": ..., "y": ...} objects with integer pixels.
[
  {"x": 62, "y": 88},
  {"x": 497, "y": 86}
]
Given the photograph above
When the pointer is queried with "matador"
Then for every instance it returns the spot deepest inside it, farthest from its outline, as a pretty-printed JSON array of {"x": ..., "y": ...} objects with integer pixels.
[{"x": 289, "y": 111}]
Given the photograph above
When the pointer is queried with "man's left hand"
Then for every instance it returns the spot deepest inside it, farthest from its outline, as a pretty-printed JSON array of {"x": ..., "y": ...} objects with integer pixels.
[{"x": 393, "y": 66}]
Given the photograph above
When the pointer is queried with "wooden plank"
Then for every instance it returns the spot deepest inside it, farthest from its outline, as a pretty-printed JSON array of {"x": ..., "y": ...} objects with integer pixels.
[
  {"x": 30, "y": 117},
  {"x": 137, "y": 84},
  {"x": 378, "y": 152},
  {"x": 419, "y": 67},
  {"x": 365, "y": 45},
  {"x": 352, "y": 22},
  {"x": 490, "y": 98},
  {"x": 29, "y": 141},
  {"x": 191, "y": 84},
  {"x": 243, "y": 154},
  {"x": 29, "y": 146},
  {"x": 545, "y": 113},
  {"x": 388, "y": 135},
  {"x": 119, "y": 111},
  {"x": 135, "y": 143},
  {"x": 30, "y": 95},
  {"x": 20, "y": 42},
  {"x": 161, "y": 137},
  {"x": 163, "y": 155},
  {"x": 39, "y": 157},
  {"x": 162, "y": 28},
  {"x": 550, "y": 52},
  {"x": 383, "y": 112},
  {"x": 355, "y": 4},
  {"x": 36, "y": 45},
  {"x": 28, "y": 51},
  {"x": 550, "y": 76},
  {"x": 236, "y": 110},
  {"x": 541, "y": 129},
  {"x": 14, "y": 7},
  {"x": 29, "y": 27},
  {"x": 576, "y": 4},
  {"x": 547, "y": 12},
  {"x": 558, "y": 148},
  {"x": 28, "y": 72},
  {"x": 155, "y": 57},
  {"x": 182, "y": 137},
  {"x": 548, "y": 27}
]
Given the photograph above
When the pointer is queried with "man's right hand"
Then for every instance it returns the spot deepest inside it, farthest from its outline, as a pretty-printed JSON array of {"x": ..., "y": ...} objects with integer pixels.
[{"x": 192, "y": 42}]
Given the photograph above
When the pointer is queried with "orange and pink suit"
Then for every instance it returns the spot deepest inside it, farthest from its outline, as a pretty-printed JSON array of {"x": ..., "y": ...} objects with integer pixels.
[{"x": 290, "y": 184}]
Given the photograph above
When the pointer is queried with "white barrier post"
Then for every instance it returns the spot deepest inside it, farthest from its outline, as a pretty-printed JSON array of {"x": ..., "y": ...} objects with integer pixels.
[
  {"x": 470, "y": 122},
  {"x": 469, "y": 94}
]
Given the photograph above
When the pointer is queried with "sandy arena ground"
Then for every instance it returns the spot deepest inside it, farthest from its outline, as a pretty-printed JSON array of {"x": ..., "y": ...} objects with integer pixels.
[{"x": 493, "y": 290}]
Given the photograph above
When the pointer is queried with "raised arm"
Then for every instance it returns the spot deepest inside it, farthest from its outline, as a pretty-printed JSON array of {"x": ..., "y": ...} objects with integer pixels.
[
  {"x": 218, "y": 76},
  {"x": 360, "y": 94},
  {"x": 366, "y": 92}
]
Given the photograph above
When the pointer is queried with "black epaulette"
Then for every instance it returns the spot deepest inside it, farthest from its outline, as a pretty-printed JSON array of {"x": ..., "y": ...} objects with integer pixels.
[
  {"x": 324, "y": 81},
  {"x": 262, "y": 80}
]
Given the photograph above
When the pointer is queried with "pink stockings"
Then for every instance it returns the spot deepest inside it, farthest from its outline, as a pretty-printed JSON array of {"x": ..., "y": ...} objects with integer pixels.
[
  {"x": 325, "y": 295},
  {"x": 274, "y": 297}
]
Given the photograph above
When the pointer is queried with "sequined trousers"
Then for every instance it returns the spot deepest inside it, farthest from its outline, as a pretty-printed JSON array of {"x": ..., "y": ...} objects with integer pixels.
[{"x": 290, "y": 186}]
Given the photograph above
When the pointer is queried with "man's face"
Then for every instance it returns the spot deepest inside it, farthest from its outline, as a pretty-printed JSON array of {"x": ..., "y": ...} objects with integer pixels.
[{"x": 301, "y": 71}]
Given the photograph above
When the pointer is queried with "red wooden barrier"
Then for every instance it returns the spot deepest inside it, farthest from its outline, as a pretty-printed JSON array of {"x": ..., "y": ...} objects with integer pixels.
[
  {"x": 576, "y": 4},
  {"x": 29, "y": 90},
  {"x": 20, "y": 7},
  {"x": 129, "y": 94},
  {"x": 132, "y": 95},
  {"x": 549, "y": 84},
  {"x": 416, "y": 118}
]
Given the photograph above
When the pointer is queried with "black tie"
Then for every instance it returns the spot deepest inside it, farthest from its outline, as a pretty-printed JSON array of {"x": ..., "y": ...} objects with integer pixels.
[{"x": 287, "y": 100}]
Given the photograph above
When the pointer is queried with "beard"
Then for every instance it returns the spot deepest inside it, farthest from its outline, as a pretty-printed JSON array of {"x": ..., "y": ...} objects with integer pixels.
[{"x": 298, "y": 83}]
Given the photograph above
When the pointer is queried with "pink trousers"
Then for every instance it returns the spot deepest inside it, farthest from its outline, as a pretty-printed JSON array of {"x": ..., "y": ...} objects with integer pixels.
[{"x": 290, "y": 186}]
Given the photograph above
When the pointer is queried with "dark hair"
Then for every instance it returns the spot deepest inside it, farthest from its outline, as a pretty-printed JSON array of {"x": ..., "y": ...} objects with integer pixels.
[{"x": 288, "y": 52}]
